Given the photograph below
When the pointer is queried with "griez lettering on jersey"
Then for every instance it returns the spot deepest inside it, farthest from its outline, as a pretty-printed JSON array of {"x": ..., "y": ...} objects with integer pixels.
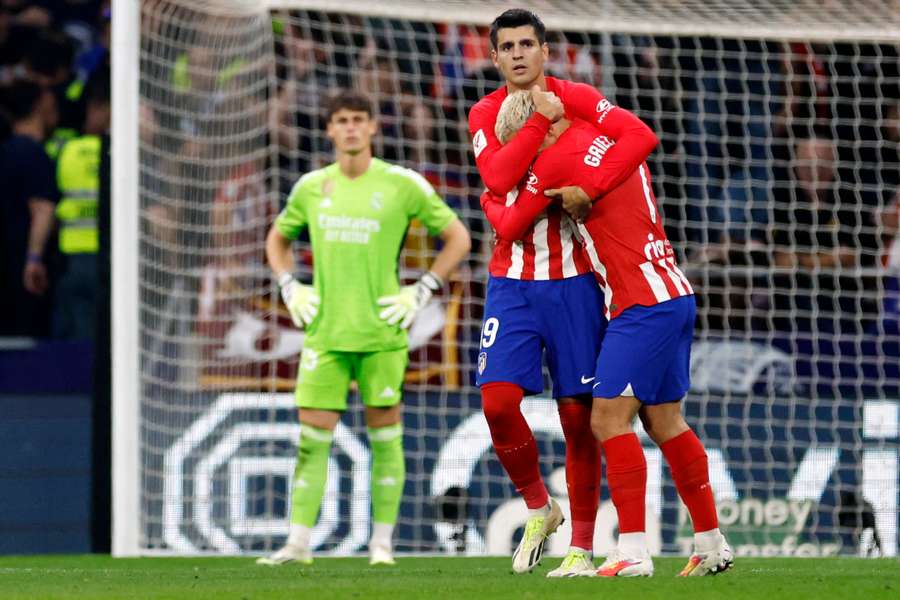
[{"x": 596, "y": 150}]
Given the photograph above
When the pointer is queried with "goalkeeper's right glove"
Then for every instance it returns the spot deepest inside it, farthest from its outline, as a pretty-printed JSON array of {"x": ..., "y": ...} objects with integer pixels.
[{"x": 301, "y": 300}]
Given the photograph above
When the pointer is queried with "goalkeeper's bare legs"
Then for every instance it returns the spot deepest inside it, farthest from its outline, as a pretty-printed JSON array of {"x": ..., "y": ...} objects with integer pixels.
[{"x": 689, "y": 466}]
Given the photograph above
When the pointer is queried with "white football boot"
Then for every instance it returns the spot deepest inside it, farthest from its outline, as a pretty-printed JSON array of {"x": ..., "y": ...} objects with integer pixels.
[
  {"x": 537, "y": 530},
  {"x": 381, "y": 555},
  {"x": 577, "y": 563},
  {"x": 288, "y": 554},
  {"x": 718, "y": 558},
  {"x": 618, "y": 564}
]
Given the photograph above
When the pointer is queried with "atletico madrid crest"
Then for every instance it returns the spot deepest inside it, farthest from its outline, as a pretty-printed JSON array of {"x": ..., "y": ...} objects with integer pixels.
[{"x": 482, "y": 362}]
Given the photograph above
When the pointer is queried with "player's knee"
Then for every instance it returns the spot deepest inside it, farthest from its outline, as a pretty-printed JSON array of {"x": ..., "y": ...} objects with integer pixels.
[
  {"x": 383, "y": 416},
  {"x": 651, "y": 428},
  {"x": 497, "y": 412},
  {"x": 601, "y": 423},
  {"x": 500, "y": 403},
  {"x": 610, "y": 418},
  {"x": 663, "y": 422}
]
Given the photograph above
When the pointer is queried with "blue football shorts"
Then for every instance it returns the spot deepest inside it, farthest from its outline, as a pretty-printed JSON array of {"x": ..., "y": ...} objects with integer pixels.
[
  {"x": 560, "y": 319},
  {"x": 646, "y": 353}
]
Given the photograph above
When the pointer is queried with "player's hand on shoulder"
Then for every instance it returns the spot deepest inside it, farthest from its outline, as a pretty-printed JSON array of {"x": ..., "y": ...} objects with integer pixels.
[
  {"x": 574, "y": 200},
  {"x": 547, "y": 103},
  {"x": 301, "y": 300}
]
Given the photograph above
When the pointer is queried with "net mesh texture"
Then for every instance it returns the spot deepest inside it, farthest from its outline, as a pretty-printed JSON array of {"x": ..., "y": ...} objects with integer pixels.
[{"x": 777, "y": 174}]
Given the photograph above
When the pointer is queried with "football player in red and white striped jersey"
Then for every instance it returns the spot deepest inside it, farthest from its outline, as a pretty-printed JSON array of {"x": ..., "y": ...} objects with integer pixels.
[
  {"x": 542, "y": 296},
  {"x": 643, "y": 367}
]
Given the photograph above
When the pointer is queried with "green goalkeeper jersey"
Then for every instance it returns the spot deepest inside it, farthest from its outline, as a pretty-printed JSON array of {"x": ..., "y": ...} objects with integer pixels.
[{"x": 357, "y": 228}]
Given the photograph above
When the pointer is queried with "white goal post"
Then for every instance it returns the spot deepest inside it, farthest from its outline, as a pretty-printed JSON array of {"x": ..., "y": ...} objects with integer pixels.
[{"x": 796, "y": 362}]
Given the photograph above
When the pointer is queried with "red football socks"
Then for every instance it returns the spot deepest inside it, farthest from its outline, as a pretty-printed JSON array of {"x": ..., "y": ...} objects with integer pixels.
[
  {"x": 582, "y": 471},
  {"x": 626, "y": 472},
  {"x": 513, "y": 441},
  {"x": 690, "y": 471}
]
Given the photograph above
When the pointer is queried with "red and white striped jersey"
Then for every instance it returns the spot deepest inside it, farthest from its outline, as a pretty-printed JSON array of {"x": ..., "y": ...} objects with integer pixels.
[
  {"x": 549, "y": 249},
  {"x": 546, "y": 250},
  {"x": 502, "y": 167},
  {"x": 623, "y": 235}
]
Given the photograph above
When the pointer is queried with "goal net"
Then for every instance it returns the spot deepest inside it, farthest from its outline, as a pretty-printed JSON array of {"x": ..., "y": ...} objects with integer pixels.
[{"x": 777, "y": 173}]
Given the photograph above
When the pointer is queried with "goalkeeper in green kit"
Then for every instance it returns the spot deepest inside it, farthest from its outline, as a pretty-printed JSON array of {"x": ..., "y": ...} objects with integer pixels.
[{"x": 357, "y": 210}]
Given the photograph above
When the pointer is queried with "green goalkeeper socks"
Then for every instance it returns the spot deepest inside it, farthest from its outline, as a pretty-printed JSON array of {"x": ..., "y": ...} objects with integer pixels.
[
  {"x": 388, "y": 472},
  {"x": 310, "y": 474}
]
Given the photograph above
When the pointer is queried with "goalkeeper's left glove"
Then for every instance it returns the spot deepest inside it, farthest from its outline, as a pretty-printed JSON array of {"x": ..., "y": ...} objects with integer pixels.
[{"x": 402, "y": 307}]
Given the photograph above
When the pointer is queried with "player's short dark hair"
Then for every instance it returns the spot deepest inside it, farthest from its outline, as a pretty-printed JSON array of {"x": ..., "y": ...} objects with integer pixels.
[
  {"x": 349, "y": 100},
  {"x": 518, "y": 17}
]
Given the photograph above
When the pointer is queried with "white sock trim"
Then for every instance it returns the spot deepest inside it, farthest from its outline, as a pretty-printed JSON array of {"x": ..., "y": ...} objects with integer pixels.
[
  {"x": 315, "y": 433},
  {"x": 539, "y": 512},
  {"x": 633, "y": 544},
  {"x": 385, "y": 434},
  {"x": 706, "y": 540}
]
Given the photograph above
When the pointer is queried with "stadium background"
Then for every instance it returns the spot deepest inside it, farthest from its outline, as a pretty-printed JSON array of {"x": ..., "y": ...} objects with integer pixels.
[{"x": 795, "y": 370}]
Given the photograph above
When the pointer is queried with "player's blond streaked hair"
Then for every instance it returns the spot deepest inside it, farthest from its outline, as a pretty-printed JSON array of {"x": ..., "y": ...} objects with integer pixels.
[{"x": 515, "y": 110}]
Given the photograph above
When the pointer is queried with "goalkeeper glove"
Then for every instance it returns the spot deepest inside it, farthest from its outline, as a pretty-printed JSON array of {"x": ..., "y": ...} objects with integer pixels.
[
  {"x": 402, "y": 307},
  {"x": 302, "y": 301}
]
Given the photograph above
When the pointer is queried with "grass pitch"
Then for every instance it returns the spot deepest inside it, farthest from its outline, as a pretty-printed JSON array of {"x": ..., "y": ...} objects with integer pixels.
[{"x": 100, "y": 577}]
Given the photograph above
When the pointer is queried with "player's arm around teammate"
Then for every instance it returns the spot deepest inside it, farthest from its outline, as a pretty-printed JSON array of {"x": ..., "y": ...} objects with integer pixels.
[
  {"x": 643, "y": 363},
  {"x": 355, "y": 314},
  {"x": 519, "y": 51}
]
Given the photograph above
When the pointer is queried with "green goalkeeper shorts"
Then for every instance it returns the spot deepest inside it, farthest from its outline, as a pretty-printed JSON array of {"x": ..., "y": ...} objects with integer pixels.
[{"x": 323, "y": 379}]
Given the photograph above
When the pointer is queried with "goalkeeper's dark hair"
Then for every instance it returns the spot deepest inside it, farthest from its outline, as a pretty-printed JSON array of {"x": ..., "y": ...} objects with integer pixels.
[
  {"x": 518, "y": 17},
  {"x": 349, "y": 100}
]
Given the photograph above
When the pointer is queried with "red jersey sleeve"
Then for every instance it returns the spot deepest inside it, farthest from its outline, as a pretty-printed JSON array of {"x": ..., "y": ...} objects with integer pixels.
[
  {"x": 634, "y": 140},
  {"x": 511, "y": 222},
  {"x": 502, "y": 166}
]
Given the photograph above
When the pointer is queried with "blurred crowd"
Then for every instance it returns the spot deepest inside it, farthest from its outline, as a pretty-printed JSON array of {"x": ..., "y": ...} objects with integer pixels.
[
  {"x": 777, "y": 172},
  {"x": 778, "y": 169},
  {"x": 54, "y": 126}
]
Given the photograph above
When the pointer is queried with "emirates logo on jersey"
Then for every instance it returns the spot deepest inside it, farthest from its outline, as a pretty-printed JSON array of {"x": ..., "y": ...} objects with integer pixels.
[{"x": 531, "y": 184}]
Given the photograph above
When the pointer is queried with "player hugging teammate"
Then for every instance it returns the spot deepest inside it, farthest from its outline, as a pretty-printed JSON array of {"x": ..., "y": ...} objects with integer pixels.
[{"x": 542, "y": 297}]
